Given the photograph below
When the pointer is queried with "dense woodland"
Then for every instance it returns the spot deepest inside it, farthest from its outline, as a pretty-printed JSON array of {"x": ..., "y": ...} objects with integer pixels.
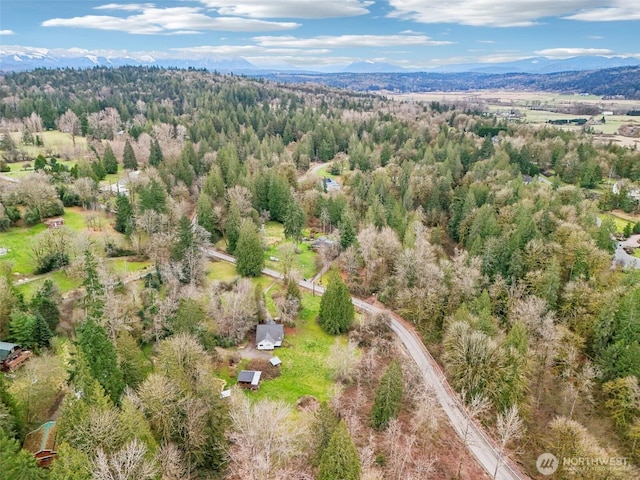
[{"x": 440, "y": 217}]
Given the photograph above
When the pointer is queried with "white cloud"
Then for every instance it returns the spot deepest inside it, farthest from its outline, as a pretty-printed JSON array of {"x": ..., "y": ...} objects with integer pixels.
[
  {"x": 485, "y": 41},
  {"x": 316, "y": 9},
  {"x": 127, "y": 7},
  {"x": 347, "y": 41},
  {"x": 171, "y": 20},
  {"x": 245, "y": 51},
  {"x": 511, "y": 13},
  {"x": 573, "y": 52},
  {"x": 609, "y": 11},
  {"x": 7, "y": 32}
]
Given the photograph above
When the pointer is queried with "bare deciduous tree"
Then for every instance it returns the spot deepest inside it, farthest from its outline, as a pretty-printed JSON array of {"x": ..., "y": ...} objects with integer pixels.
[
  {"x": 264, "y": 439},
  {"x": 129, "y": 463},
  {"x": 172, "y": 464},
  {"x": 233, "y": 311},
  {"x": 510, "y": 427},
  {"x": 342, "y": 360},
  {"x": 69, "y": 123}
]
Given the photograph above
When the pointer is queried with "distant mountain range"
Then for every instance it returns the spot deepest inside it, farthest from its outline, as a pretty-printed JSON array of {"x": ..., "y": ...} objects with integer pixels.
[{"x": 16, "y": 58}]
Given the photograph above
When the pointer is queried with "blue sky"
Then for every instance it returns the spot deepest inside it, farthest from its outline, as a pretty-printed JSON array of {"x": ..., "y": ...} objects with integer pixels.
[{"x": 312, "y": 33}]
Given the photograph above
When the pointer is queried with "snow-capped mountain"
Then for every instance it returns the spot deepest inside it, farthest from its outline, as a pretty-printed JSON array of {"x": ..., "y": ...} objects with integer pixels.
[
  {"x": 16, "y": 58},
  {"x": 28, "y": 58}
]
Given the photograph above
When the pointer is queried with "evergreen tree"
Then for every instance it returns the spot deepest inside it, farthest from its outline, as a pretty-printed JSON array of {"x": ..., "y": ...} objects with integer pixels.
[
  {"x": 340, "y": 460},
  {"x": 249, "y": 251},
  {"x": 279, "y": 197},
  {"x": 185, "y": 239},
  {"x": 99, "y": 172},
  {"x": 153, "y": 196},
  {"x": 324, "y": 425},
  {"x": 71, "y": 464},
  {"x": 94, "y": 298},
  {"x": 109, "y": 161},
  {"x": 101, "y": 358},
  {"x": 155, "y": 153},
  {"x": 16, "y": 462},
  {"x": 336, "y": 309},
  {"x": 129, "y": 159},
  {"x": 207, "y": 217},
  {"x": 190, "y": 158},
  {"x": 21, "y": 328},
  {"x": 11, "y": 413},
  {"x": 41, "y": 332},
  {"x": 124, "y": 215},
  {"x": 232, "y": 227},
  {"x": 388, "y": 398},
  {"x": 294, "y": 222},
  {"x": 134, "y": 364},
  {"x": 45, "y": 303},
  {"x": 347, "y": 231}
]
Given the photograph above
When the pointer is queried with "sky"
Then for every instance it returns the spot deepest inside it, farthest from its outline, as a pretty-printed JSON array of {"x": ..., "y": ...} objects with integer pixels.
[{"x": 417, "y": 34}]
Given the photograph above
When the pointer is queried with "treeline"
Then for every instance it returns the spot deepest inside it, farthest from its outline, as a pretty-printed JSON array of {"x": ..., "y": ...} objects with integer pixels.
[{"x": 622, "y": 81}]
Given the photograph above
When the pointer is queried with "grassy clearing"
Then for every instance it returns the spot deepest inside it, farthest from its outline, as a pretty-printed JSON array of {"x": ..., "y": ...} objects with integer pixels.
[
  {"x": 620, "y": 222},
  {"x": 54, "y": 142},
  {"x": 304, "y": 262},
  {"x": 124, "y": 266},
  {"x": 60, "y": 278},
  {"x": 19, "y": 239},
  {"x": 325, "y": 171},
  {"x": 223, "y": 271},
  {"x": 304, "y": 368}
]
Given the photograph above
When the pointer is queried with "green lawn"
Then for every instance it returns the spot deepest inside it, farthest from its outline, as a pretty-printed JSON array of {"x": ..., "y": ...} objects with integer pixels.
[
  {"x": 620, "y": 222},
  {"x": 124, "y": 266},
  {"x": 304, "y": 262},
  {"x": 59, "y": 278},
  {"x": 325, "y": 171},
  {"x": 304, "y": 355},
  {"x": 19, "y": 239},
  {"x": 224, "y": 271}
]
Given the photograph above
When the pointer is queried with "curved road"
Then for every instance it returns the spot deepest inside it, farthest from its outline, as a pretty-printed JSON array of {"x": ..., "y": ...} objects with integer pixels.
[{"x": 477, "y": 442}]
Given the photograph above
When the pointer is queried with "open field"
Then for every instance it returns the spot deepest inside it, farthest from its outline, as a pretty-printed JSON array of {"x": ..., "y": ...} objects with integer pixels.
[
  {"x": 304, "y": 262},
  {"x": 539, "y": 107},
  {"x": 18, "y": 239},
  {"x": 54, "y": 142},
  {"x": 304, "y": 369}
]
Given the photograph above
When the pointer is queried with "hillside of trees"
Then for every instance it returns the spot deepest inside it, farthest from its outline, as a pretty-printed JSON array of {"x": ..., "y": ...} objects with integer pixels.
[
  {"x": 440, "y": 216},
  {"x": 621, "y": 81}
]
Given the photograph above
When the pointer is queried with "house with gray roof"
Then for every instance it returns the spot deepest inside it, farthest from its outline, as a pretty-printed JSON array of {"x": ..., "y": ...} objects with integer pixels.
[{"x": 269, "y": 336}]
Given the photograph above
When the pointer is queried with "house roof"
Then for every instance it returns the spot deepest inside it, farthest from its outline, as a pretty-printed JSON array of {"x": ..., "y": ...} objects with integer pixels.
[
  {"x": 6, "y": 348},
  {"x": 41, "y": 439},
  {"x": 273, "y": 332},
  {"x": 249, "y": 376},
  {"x": 323, "y": 242}
]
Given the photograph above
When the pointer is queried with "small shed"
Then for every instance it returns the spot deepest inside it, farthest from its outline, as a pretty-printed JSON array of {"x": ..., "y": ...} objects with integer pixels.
[
  {"x": 269, "y": 336},
  {"x": 275, "y": 361},
  {"x": 249, "y": 379},
  {"x": 42, "y": 443},
  {"x": 225, "y": 393}
]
